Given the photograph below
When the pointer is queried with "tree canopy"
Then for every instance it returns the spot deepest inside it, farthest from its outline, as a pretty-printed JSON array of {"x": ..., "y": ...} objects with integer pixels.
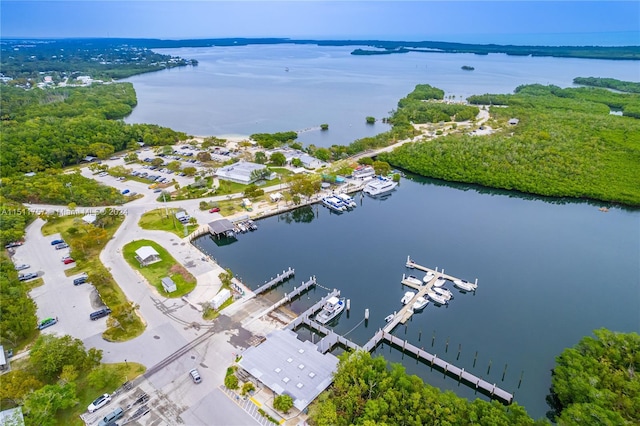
[
  {"x": 366, "y": 392},
  {"x": 597, "y": 381}
]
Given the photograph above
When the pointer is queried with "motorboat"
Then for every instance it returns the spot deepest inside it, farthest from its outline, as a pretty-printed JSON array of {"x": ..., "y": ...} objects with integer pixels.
[
  {"x": 331, "y": 309},
  {"x": 439, "y": 282},
  {"x": 407, "y": 297},
  {"x": 465, "y": 285},
  {"x": 334, "y": 204},
  {"x": 380, "y": 185},
  {"x": 437, "y": 298},
  {"x": 412, "y": 279},
  {"x": 347, "y": 200},
  {"x": 428, "y": 277},
  {"x": 443, "y": 292},
  {"x": 390, "y": 317},
  {"x": 420, "y": 304}
]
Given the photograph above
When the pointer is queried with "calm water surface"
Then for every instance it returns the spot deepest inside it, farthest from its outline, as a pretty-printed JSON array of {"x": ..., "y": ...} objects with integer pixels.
[
  {"x": 245, "y": 90},
  {"x": 549, "y": 274}
]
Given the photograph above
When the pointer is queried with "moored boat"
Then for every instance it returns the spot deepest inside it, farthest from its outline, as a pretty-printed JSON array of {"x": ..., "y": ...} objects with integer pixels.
[
  {"x": 465, "y": 285},
  {"x": 334, "y": 204},
  {"x": 439, "y": 282},
  {"x": 419, "y": 304},
  {"x": 407, "y": 297},
  {"x": 443, "y": 292},
  {"x": 348, "y": 201},
  {"x": 331, "y": 309},
  {"x": 437, "y": 298},
  {"x": 412, "y": 279},
  {"x": 380, "y": 185},
  {"x": 428, "y": 277}
]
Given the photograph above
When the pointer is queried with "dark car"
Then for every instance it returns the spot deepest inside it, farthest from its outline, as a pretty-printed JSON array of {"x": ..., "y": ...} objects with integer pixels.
[
  {"x": 80, "y": 280},
  {"x": 56, "y": 242},
  {"x": 14, "y": 244},
  {"x": 99, "y": 314},
  {"x": 47, "y": 322}
]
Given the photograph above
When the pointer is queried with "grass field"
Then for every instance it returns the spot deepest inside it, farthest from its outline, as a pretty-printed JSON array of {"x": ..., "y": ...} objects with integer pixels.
[
  {"x": 159, "y": 220},
  {"x": 167, "y": 267}
]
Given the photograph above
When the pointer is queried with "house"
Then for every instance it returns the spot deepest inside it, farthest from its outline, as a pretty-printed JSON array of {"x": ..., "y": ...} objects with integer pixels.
[
  {"x": 243, "y": 172},
  {"x": 89, "y": 219},
  {"x": 363, "y": 172},
  {"x": 147, "y": 255},
  {"x": 513, "y": 121},
  {"x": 183, "y": 217},
  {"x": 310, "y": 162},
  {"x": 275, "y": 197},
  {"x": 12, "y": 417},
  {"x": 168, "y": 285}
]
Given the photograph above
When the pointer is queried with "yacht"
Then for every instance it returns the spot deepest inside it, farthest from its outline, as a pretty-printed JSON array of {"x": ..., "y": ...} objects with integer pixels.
[
  {"x": 347, "y": 200},
  {"x": 334, "y": 204},
  {"x": 407, "y": 297},
  {"x": 419, "y": 304},
  {"x": 331, "y": 309},
  {"x": 465, "y": 285},
  {"x": 379, "y": 186},
  {"x": 443, "y": 292},
  {"x": 428, "y": 277},
  {"x": 437, "y": 298},
  {"x": 412, "y": 280}
]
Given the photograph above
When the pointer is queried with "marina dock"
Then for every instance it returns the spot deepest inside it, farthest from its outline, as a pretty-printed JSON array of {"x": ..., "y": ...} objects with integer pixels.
[{"x": 285, "y": 275}]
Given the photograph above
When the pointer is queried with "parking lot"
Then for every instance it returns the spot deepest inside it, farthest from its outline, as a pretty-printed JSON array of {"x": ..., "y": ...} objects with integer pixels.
[{"x": 58, "y": 297}]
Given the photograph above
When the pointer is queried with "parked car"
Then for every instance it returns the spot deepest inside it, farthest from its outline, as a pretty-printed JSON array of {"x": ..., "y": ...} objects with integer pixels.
[
  {"x": 68, "y": 261},
  {"x": 126, "y": 191},
  {"x": 195, "y": 376},
  {"x": 56, "y": 242},
  {"x": 214, "y": 210},
  {"x": 110, "y": 419},
  {"x": 157, "y": 190},
  {"x": 22, "y": 267},
  {"x": 47, "y": 322},
  {"x": 14, "y": 244},
  {"x": 61, "y": 246},
  {"x": 29, "y": 276},
  {"x": 80, "y": 280},
  {"x": 99, "y": 314},
  {"x": 99, "y": 402}
]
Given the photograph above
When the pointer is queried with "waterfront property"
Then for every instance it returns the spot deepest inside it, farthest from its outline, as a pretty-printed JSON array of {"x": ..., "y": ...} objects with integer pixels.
[
  {"x": 244, "y": 172},
  {"x": 221, "y": 228},
  {"x": 289, "y": 366}
]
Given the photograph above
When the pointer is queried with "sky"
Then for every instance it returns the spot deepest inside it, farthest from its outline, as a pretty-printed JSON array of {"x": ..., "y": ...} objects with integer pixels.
[{"x": 569, "y": 22}]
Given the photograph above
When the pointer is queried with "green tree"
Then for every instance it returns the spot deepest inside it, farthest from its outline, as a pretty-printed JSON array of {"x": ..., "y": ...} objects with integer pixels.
[
  {"x": 278, "y": 159},
  {"x": 231, "y": 381},
  {"x": 41, "y": 406},
  {"x": 16, "y": 384},
  {"x": 597, "y": 379},
  {"x": 366, "y": 161},
  {"x": 283, "y": 403},
  {"x": 174, "y": 166},
  {"x": 323, "y": 154},
  {"x": 131, "y": 157},
  {"x": 382, "y": 168},
  {"x": 260, "y": 157},
  {"x": 203, "y": 156},
  {"x": 157, "y": 162},
  {"x": 324, "y": 127},
  {"x": 296, "y": 162},
  {"x": 370, "y": 120},
  {"x": 50, "y": 354},
  {"x": 189, "y": 171}
]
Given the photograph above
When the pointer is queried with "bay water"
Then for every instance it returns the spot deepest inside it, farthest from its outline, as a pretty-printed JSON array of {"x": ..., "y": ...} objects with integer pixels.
[{"x": 550, "y": 271}]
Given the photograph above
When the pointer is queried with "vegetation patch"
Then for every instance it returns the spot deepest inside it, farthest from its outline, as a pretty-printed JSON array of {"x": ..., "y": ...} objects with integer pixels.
[
  {"x": 165, "y": 220},
  {"x": 166, "y": 267},
  {"x": 86, "y": 242}
]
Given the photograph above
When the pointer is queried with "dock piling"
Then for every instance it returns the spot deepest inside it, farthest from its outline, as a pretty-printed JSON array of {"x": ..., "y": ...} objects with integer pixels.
[
  {"x": 419, "y": 335},
  {"x": 366, "y": 314},
  {"x": 446, "y": 346},
  {"x": 348, "y": 304},
  {"x": 459, "y": 349},
  {"x": 489, "y": 368},
  {"x": 475, "y": 358},
  {"x": 433, "y": 338},
  {"x": 520, "y": 382},
  {"x": 504, "y": 371}
]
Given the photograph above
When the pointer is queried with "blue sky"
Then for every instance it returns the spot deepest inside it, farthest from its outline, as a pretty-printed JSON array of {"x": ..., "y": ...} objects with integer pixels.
[{"x": 466, "y": 21}]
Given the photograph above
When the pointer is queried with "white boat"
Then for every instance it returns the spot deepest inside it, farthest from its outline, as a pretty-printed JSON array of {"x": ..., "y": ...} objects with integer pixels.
[
  {"x": 412, "y": 279},
  {"x": 407, "y": 297},
  {"x": 347, "y": 200},
  {"x": 428, "y": 277},
  {"x": 378, "y": 186},
  {"x": 390, "y": 317},
  {"x": 437, "y": 298},
  {"x": 465, "y": 285},
  {"x": 334, "y": 204},
  {"x": 439, "y": 282},
  {"x": 443, "y": 292},
  {"x": 331, "y": 309},
  {"x": 420, "y": 304}
]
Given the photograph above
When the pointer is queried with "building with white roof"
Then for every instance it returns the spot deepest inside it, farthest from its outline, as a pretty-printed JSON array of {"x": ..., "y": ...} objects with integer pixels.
[{"x": 242, "y": 172}]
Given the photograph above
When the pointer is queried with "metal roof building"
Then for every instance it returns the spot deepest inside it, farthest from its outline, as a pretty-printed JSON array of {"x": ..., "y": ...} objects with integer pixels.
[
  {"x": 220, "y": 227},
  {"x": 290, "y": 366}
]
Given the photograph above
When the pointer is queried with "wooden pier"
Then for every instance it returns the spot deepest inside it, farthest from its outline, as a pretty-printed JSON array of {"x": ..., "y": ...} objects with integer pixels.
[
  {"x": 312, "y": 310},
  {"x": 288, "y": 297},
  {"x": 282, "y": 277},
  {"x": 490, "y": 389}
]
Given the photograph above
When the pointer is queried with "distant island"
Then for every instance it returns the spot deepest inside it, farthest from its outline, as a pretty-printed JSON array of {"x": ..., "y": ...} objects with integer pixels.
[{"x": 467, "y": 68}]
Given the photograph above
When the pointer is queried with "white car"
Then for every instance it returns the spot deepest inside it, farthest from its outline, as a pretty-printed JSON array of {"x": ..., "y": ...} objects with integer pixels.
[
  {"x": 99, "y": 402},
  {"x": 22, "y": 267}
]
